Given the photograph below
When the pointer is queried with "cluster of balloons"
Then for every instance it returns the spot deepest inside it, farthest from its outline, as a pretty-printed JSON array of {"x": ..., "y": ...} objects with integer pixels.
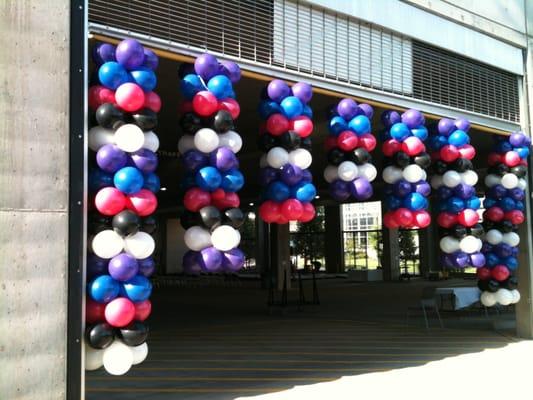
[
  {"x": 454, "y": 181},
  {"x": 124, "y": 183},
  {"x": 208, "y": 146},
  {"x": 405, "y": 176},
  {"x": 350, "y": 170},
  {"x": 504, "y": 211},
  {"x": 285, "y": 140}
]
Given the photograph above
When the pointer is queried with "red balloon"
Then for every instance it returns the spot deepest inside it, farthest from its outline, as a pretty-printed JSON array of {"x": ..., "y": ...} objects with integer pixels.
[
  {"x": 282, "y": 220},
  {"x": 500, "y": 273},
  {"x": 446, "y": 219},
  {"x": 449, "y": 153},
  {"x": 483, "y": 273},
  {"x": 143, "y": 202},
  {"x": 495, "y": 214},
  {"x": 130, "y": 97},
  {"x": 196, "y": 198},
  {"x": 511, "y": 159},
  {"x": 231, "y": 106},
  {"x": 515, "y": 216},
  {"x": 468, "y": 217},
  {"x": 218, "y": 194},
  {"x": 346, "y": 141},
  {"x": 152, "y": 101},
  {"x": 367, "y": 141},
  {"x": 142, "y": 310},
  {"x": 494, "y": 158},
  {"x": 523, "y": 162},
  {"x": 204, "y": 103},
  {"x": 224, "y": 200},
  {"x": 308, "y": 213},
  {"x": 413, "y": 146},
  {"x": 110, "y": 201},
  {"x": 302, "y": 125},
  {"x": 119, "y": 312},
  {"x": 390, "y": 221},
  {"x": 330, "y": 142},
  {"x": 185, "y": 107},
  {"x": 422, "y": 219},
  {"x": 403, "y": 217},
  {"x": 269, "y": 211},
  {"x": 435, "y": 155},
  {"x": 277, "y": 124},
  {"x": 467, "y": 151},
  {"x": 292, "y": 209},
  {"x": 391, "y": 146},
  {"x": 94, "y": 311},
  {"x": 99, "y": 95}
]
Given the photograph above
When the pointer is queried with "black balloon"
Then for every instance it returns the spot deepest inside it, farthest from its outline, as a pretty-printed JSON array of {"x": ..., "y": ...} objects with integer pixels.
[
  {"x": 510, "y": 283},
  {"x": 190, "y": 123},
  {"x": 149, "y": 224},
  {"x": 145, "y": 119},
  {"x": 134, "y": 334},
  {"x": 361, "y": 156},
  {"x": 506, "y": 226},
  {"x": 335, "y": 156},
  {"x": 488, "y": 224},
  {"x": 440, "y": 167},
  {"x": 234, "y": 217},
  {"x": 266, "y": 141},
  {"x": 100, "y": 336},
  {"x": 210, "y": 216},
  {"x": 108, "y": 116},
  {"x": 222, "y": 122},
  {"x": 462, "y": 165},
  {"x": 401, "y": 159},
  {"x": 290, "y": 140},
  {"x": 459, "y": 231},
  {"x": 306, "y": 143},
  {"x": 189, "y": 219},
  {"x": 501, "y": 169},
  {"x": 477, "y": 230},
  {"x": 423, "y": 160},
  {"x": 126, "y": 223},
  {"x": 519, "y": 170},
  {"x": 493, "y": 285}
]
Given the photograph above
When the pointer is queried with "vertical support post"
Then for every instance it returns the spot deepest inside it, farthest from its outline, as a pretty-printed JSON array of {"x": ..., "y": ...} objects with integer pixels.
[
  {"x": 280, "y": 255},
  {"x": 262, "y": 250},
  {"x": 391, "y": 253},
  {"x": 334, "y": 243}
]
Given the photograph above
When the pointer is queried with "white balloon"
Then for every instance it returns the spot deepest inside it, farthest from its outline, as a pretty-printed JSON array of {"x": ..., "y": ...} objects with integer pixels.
[
  {"x": 263, "y": 161},
  {"x": 185, "y": 143},
  {"x": 129, "y": 138},
  {"x": 232, "y": 140},
  {"x": 469, "y": 244},
  {"x": 368, "y": 171},
  {"x": 424, "y": 175},
  {"x": 301, "y": 158},
  {"x": 522, "y": 184},
  {"x": 451, "y": 179},
  {"x": 392, "y": 174},
  {"x": 93, "y": 358},
  {"x": 436, "y": 181},
  {"x": 412, "y": 173},
  {"x": 140, "y": 245},
  {"x": 118, "y": 358},
  {"x": 492, "y": 180},
  {"x": 504, "y": 297},
  {"x": 277, "y": 157},
  {"x": 511, "y": 238},
  {"x": 493, "y": 236},
  {"x": 469, "y": 177},
  {"x": 225, "y": 238},
  {"x": 449, "y": 244},
  {"x": 330, "y": 173},
  {"x": 348, "y": 171},
  {"x": 197, "y": 238},
  {"x": 488, "y": 299},
  {"x": 139, "y": 353},
  {"x": 99, "y": 137},
  {"x": 516, "y": 296},
  {"x": 206, "y": 140},
  {"x": 107, "y": 244},
  {"x": 509, "y": 181},
  {"x": 151, "y": 141}
]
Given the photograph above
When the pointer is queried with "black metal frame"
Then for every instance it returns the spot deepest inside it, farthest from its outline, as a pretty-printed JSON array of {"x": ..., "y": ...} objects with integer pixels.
[{"x": 76, "y": 217}]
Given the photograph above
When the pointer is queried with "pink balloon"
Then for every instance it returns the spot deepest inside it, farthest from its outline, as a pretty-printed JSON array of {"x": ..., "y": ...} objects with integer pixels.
[
  {"x": 449, "y": 153},
  {"x": 204, "y": 103},
  {"x": 413, "y": 146},
  {"x": 308, "y": 213},
  {"x": 110, "y": 201},
  {"x": 467, "y": 151},
  {"x": 119, "y": 312},
  {"x": 130, "y": 97},
  {"x": 142, "y": 310},
  {"x": 302, "y": 125},
  {"x": 422, "y": 219},
  {"x": 152, "y": 101},
  {"x": 511, "y": 159},
  {"x": 231, "y": 106},
  {"x": 368, "y": 142},
  {"x": 277, "y": 124},
  {"x": 291, "y": 209},
  {"x": 143, "y": 202}
]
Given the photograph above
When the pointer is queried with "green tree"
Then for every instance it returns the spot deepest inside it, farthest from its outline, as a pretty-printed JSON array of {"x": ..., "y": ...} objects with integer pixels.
[
  {"x": 308, "y": 239},
  {"x": 408, "y": 247}
]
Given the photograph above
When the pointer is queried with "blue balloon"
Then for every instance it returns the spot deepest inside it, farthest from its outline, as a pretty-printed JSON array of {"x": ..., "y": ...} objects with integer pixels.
[
  {"x": 473, "y": 202},
  {"x": 292, "y": 107},
  {"x": 152, "y": 182},
  {"x": 455, "y": 204},
  {"x": 420, "y": 132},
  {"x": 278, "y": 191},
  {"x": 111, "y": 74},
  {"x": 503, "y": 147},
  {"x": 360, "y": 124},
  {"x": 103, "y": 289},
  {"x": 415, "y": 202},
  {"x": 128, "y": 180},
  {"x": 145, "y": 78},
  {"x": 523, "y": 152},
  {"x": 437, "y": 142},
  {"x": 489, "y": 202},
  {"x": 99, "y": 179},
  {"x": 511, "y": 262},
  {"x": 305, "y": 192},
  {"x": 400, "y": 131},
  {"x": 307, "y": 111},
  {"x": 137, "y": 288},
  {"x": 220, "y": 86},
  {"x": 190, "y": 85},
  {"x": 444, "y": 192},
  {"x": 208, "y": 178},
  {"x": 267, "y": 108},
  {"x": 401, "y": 188},
  {"x": 336, "y": 125},
  {"x": 393, "y": 202},
  {"x": 491, "y": 259},
  {"x": 519, "y": 205},
  {"x": 458, "y": 138},
  {"x": 507, "y": 204},
  {"x": 307, "y": 176},
  {"x": 232, "y": 181}
]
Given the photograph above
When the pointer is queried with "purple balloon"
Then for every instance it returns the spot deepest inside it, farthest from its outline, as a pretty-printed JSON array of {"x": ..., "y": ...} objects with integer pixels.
[
  {"x": 514, "y": 251},
  {"x": 503, "y": 250},
  {"x": 233, "y": 260},
  {"x": 231, "y": 70},
  {"x": 497, "y": 191},
  {"x": 307, "y": 176},
  {"x": 339, "y": 190},
  {"x": 464, "y": 191},
  {"x": 413, "y": 118},
  {"x": 291, "y": 174},
  {"x": 446, "y": 126},
  {"x": 303, "y": 91},
  {"x": 268, "y": 175},
  {"x": 150, "y": 59},
  {"x": 347, "y": 109},
  {"x": 190, "y": 263},
  {"x": 444, "y": 192},
  {"x": 223, "y": 158},
  {"x": 446, "y": 260},
  {"x": 130, "y": 54},
  {"x": 517, "y": 194},
  {"x": 517, "y": 139},
  {"x": 96, "y": 266},
  {"x": 390, "y": 118},
  {"x": 367, "y": 110},
  {"x": 110, "y": 158},
  {"x": 462, "y": 124},
  {"x": 103, "y": 52},
  {"x": 146, "y": 266},
  {"x": 422, "y": 187},
  {"x": 194, "y": 160},
  {"x": 145, "y": 160},
  {"x": 206, "y": 65},
  {"x": 460, "y": 259},
  {"x": 361, "y": 189},
  {"x": 487, "y": 247},
  {"x": 123, "y": 267},
  {"x": 401, "y": 188},
  {"x": 477, "y": 260},
  {"x": 210, "y": 259},
  {"x": 277, "y": 90}
]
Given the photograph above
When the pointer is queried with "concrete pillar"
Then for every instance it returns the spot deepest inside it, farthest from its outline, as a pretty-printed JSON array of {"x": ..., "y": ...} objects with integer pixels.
[
  {"x": 34, "y": 200},
  {"x": 391, "y": 255},
  {"x": 429, "y": 246},
  {"x": 262, "y": 248},
  {"x": 280, "y": 254},
  {"x": 334, "y": 243}
]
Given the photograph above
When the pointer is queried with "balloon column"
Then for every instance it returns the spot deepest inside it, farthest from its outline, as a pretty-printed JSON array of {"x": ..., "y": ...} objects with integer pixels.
[
  {"x": 124, "y": 183},
  {"x": 405, "y": 175},
  {"x": 284, "y": 137},
  {"x": 454, "y": 180},
  {"x": 350, "y": 141},
  {"x": 504, "y": 211},
  {"x": 208, "y": 146}
]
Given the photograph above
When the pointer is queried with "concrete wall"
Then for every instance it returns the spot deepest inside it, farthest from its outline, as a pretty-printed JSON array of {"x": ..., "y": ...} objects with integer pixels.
[{"x": 34, "y": 87}]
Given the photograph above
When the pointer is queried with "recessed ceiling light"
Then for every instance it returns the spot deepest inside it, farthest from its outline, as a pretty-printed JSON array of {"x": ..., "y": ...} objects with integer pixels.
[
  {"x": 251, "y": 204},
  {"x": 317, "y": 197},
  {"x": 163, "y": 189}
]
